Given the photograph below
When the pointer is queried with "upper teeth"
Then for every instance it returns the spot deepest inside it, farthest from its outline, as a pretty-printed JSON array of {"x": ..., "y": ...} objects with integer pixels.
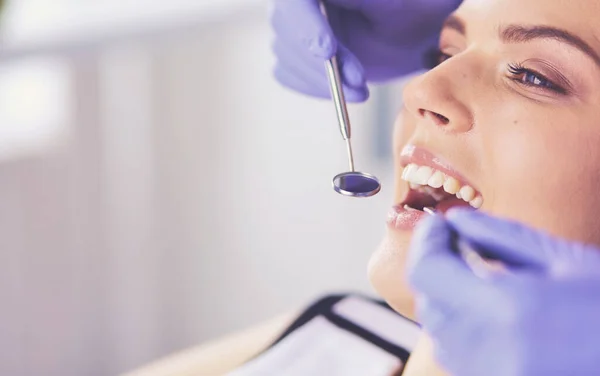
[{"x": 427, "y": 176}]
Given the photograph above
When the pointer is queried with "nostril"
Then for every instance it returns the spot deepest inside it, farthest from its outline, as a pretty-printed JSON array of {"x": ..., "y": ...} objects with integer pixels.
[
  {"x": 444, "y": 120},
  {"x": 437, "y": 118}
]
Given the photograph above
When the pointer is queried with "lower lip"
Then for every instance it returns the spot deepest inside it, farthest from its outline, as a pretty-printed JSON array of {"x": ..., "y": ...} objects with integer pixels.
[{"x": 402, "y": 219}]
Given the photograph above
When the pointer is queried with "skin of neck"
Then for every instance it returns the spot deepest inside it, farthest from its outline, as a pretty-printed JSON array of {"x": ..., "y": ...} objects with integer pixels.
[{"x": 421, "y": 362}]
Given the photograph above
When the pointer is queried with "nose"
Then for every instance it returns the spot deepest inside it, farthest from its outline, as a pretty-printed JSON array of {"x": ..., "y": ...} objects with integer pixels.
[{"x": 439, "y": 97}]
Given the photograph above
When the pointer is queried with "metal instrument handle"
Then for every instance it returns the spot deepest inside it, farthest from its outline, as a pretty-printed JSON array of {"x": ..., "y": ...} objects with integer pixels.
[{"x": 337, "y": 94}]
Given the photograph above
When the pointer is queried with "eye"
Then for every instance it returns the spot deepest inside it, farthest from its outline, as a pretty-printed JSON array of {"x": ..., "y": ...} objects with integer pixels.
[
  {"x": 532, "y": 78},
  {"x": 435, "y": 58}
]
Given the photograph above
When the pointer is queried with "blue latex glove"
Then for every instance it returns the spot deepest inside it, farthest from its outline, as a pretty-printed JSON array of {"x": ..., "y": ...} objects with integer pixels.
[
  {"x": 540, "y": 319},
  {"x": 375, "y": 40}
]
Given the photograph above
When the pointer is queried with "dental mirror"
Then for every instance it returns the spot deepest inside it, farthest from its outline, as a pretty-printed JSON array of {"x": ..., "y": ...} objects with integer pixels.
[
  {"x": 352, "y": 183},
  {"x": 356, "y": 184}
]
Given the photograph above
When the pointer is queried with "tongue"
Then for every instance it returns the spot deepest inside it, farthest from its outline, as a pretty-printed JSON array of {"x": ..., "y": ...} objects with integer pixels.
[{"x": 449, "y": 203}]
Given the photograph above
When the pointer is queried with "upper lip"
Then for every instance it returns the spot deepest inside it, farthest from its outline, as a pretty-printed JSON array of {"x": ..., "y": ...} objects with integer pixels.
[{"x": 423, "y": 157}]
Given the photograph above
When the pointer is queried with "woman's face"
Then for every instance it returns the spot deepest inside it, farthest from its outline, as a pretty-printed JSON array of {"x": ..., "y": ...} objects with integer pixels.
[{"x": 513, "y": 111}]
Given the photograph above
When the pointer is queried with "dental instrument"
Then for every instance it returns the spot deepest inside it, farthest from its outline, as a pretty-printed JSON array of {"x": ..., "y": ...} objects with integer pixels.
[{"x": 351, "y": 183}]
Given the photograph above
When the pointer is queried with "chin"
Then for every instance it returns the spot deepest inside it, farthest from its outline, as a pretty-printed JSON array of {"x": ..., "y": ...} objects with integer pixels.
[{"x": 387, "y": 272}]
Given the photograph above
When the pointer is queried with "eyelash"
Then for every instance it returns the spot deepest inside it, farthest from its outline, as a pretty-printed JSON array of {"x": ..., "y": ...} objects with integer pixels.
[
  {"x": 521, "y": 74},
  {"x": 518, "y": 73}
]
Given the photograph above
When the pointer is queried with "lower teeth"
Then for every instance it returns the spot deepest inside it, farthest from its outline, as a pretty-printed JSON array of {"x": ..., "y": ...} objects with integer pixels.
[
  {"x": 426, "y": 209},
  {"x": 429, "y": 211}
]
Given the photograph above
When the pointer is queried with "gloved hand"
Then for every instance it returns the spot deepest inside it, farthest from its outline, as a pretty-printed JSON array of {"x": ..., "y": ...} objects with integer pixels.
[
  {"x": 538, "y": 319},
  {"x": 375, "y": 40}
]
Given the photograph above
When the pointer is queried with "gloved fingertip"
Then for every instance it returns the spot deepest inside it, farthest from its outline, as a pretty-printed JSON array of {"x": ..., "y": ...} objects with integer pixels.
[
  {"x": 458, "y": 213},
  {"x": 280, "y": 75},
  {"x": 354, "y": 95},
  {"x": 430, "y": 224},
  {"x": 323, "y": 46},
  {"x": 431, "y": 235},
  {"x": 354, "y": 74}
]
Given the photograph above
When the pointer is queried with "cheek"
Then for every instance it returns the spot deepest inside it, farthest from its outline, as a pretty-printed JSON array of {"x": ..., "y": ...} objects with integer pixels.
[
  {"x": 387, "y": 272},
  {"x": 403, "y": 130},
  {"x": 545, "y": 173},
  {"x": 388, "y": 262}
]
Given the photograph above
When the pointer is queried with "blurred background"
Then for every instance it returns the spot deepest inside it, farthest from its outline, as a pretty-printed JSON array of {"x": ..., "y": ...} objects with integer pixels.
[{"x": 159, "y": 189}]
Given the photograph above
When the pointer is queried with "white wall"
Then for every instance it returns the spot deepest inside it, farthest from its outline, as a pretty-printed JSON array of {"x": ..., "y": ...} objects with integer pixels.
[{"x": 191, "y": 198}]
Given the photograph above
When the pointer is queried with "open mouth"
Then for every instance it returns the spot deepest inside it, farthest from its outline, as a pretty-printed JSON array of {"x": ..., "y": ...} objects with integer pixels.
[{"x": 434, "y": 189}]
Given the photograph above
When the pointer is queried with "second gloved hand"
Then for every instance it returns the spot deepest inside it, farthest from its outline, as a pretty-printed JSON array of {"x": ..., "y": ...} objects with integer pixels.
[
  {"x": 538, "y": 319},
  {"x": 375, "y": 40}
]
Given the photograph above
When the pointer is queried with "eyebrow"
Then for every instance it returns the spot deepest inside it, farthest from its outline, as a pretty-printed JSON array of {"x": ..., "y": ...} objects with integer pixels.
[
  {"x": 522, "y": 34},
  {"x": 455, "y": 23}
]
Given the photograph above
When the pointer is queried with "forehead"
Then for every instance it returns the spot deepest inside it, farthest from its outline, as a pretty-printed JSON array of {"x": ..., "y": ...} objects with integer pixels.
[{"x": 577, "y": 16}]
